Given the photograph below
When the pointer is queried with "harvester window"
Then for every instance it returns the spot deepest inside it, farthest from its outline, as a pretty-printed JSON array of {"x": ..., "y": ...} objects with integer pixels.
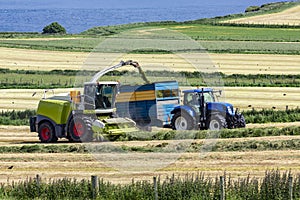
[
  {"x": 89, "y": 96},
  {"x": 105, "y": 96}
]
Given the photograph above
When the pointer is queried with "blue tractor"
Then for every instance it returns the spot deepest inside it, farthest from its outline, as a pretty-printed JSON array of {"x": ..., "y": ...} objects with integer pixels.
[{"x": 200, "y": 110}]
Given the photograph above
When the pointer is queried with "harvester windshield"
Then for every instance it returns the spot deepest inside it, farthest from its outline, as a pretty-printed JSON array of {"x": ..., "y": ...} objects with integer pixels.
[
  {"x": 100, "y": 96},
  {"x": 105, "y": 96}
]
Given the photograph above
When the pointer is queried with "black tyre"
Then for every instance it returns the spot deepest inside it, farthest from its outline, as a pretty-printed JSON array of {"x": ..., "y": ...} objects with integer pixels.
[
  {"x": 80, "y": 129},
  {"x": 46, "y": 133},
  {"x": 216, "y": 122},
  {"x": 240, "y": 121},
  {"x": 182, "y": 121}
]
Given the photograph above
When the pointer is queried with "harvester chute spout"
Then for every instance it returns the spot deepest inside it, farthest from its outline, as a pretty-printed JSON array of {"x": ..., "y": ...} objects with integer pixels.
[
  {"x": 135, "y": 64},
  {"x": 141, "y": 72}
]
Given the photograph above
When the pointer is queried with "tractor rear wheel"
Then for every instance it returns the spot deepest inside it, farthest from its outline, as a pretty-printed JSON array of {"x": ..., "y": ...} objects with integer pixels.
[
  {"x": 182, "y": 121},
  {"x": 46, "y": 133},
  {"x": 80, "y": 129},
  {"x": 216, "y": 122}
]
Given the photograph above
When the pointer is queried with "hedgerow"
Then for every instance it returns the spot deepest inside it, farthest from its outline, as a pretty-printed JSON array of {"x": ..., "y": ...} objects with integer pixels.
[{"x": 34, "y": 79}]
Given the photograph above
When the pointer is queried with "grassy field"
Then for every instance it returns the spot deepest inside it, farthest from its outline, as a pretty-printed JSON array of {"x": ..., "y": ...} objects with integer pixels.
[
  {"x": 220, "y": 39},
  {"x": 251, "y": 47},
  {"x": 35, "y": 79},
  {"x": 228, "y": 33}
]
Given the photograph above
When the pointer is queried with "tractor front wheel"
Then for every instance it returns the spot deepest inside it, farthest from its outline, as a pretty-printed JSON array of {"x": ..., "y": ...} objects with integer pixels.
[
  {"x": 80, "y": 130},
  {"x": 240, "y": 121},
  {"x": 182, "y": 121},
  {"x": 46, "y": 133}
]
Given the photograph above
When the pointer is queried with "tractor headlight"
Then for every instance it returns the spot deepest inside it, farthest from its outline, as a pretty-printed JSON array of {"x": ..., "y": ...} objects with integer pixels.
[{"x": 230, "y": 110}]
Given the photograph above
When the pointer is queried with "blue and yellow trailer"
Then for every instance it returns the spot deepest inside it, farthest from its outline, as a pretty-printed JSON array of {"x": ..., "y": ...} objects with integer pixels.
[{"x": 149, "y": 104}]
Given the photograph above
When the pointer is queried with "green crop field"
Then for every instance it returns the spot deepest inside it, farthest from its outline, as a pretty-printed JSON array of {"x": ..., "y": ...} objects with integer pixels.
[
  {"x": 67, "y": 44},
  {"x": 262, "y": 47},
  {"x": 227, "y": 33},
  {"x": 31, "y": 79},
  {"x": 236, "y": 40}
]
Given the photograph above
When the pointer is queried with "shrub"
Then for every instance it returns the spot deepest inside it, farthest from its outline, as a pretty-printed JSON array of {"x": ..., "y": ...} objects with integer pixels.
[
  {"x": 252, "y": 9},
  {"x": 54, "y": 28}
]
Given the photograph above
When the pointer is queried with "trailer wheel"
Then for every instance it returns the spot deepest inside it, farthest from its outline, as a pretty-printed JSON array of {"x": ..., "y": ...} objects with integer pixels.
[
  {"x": 182, "y": 121},
  {"x": 46, "y": 133},
  {"x": 216, "y": 122},
  {"x": 80, "y": 130}
]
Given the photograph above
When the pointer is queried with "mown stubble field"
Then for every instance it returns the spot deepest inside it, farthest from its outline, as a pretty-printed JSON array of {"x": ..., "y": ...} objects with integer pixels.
[
  {"x": 290, "y": 16},
  {"x": 244, "y": 98},
  {"x": 227, "y": 63},
  {"x": 119, "y": 169}
]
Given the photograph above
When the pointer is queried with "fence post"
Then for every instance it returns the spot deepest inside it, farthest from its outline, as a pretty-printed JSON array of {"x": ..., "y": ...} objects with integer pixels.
[
  {"x": 222, "y": 188},
  {"x": 94, "y": 180},
  {"x": 291, "y": 187},
  {"x": 155, "y": 188},
  {"x": 286, "y": 108},
  {"x": 38, "y": 181}
]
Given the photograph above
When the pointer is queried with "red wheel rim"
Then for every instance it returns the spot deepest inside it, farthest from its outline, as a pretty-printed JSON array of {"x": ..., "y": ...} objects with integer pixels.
[
  {"x": 46, "y": 133},
  {"x": 78, "y": 129}
]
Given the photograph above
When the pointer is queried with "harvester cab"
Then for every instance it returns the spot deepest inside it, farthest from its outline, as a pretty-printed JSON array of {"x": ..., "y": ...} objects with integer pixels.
[{"x": 100, "y": 96}]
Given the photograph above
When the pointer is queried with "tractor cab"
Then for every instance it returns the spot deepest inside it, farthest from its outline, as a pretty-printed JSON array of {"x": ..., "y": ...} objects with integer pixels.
[
  {"x": 100, "y": 96},
  {"x": 194, "y": 98}
]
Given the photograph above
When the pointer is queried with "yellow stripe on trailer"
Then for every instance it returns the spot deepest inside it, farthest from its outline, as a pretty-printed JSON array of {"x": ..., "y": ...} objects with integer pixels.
[
  {"x": 145, "y": 95},
  {"x": 136, "y": 96},
  {"x": 125, "y": 97}
]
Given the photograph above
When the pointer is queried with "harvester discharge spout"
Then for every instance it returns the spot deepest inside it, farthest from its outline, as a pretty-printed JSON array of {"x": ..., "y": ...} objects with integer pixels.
[{"x": 135, "y": 64}]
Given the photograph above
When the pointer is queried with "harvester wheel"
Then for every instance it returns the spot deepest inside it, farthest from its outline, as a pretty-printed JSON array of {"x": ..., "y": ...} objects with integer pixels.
[
  {"x": 46, "y": 133},
  {"x": 182, "y": 121},
  {"x": 80, "y": 129},
  {"x": 216, "y": 122}
]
